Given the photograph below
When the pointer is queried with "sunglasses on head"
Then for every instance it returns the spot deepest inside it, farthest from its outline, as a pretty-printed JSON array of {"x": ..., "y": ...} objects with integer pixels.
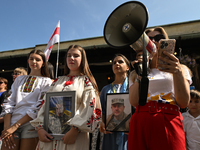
[
  {"x": 1, "y": 82},
  {"x": 157, "y": 37}
]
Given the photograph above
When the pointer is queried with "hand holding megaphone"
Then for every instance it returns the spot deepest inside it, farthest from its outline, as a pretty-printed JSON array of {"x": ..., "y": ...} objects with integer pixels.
[{"x": 137, "y": 63}]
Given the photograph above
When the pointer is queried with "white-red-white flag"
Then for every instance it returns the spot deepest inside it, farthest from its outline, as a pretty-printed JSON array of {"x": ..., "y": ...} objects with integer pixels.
[{"x": 55, "y": 37}]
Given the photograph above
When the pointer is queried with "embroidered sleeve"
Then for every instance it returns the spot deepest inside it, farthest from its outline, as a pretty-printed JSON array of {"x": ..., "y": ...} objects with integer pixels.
[
  {"x": 89, "y": 118},
  {"x": 39, "y": 121},
  {"x": 32, "y": 112}
]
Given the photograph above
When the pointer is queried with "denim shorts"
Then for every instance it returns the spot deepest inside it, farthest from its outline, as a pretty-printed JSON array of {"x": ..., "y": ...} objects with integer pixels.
[{"x": 26, "y": 132}]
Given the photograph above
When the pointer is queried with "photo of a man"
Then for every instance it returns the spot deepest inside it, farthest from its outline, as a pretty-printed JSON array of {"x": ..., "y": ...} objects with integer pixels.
[
  {"x": 58, "y": 116},
  {"x": 118, "y": 120}
]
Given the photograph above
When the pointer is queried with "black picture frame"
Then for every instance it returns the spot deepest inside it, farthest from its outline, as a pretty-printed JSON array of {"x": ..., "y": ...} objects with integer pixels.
[
  {"x": 118, "y": 112},
  {"x": 59, "y": 108}
]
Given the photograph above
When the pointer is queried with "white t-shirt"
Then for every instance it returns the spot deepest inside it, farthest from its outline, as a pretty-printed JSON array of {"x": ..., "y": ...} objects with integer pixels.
[
  {"x": 192, "y": 129},
  {"x": 161, "y": 87}
]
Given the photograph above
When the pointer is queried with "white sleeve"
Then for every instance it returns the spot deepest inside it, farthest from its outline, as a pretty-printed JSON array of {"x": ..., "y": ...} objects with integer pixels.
[
  {"x": 187, "y": 75},
  {"x": 32, "y": 112},
  {"x": 130, "y": 81},
  {"x": 11, "y": 100},
  {"x": 90, "y": 117}
]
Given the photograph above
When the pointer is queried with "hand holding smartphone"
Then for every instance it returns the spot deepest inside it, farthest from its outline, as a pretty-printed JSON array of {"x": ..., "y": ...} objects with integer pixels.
[{"x": 165, "y": 45}]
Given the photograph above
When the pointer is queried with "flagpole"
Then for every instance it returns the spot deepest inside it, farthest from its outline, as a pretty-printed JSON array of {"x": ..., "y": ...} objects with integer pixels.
[{"x": 57, "y": 60}]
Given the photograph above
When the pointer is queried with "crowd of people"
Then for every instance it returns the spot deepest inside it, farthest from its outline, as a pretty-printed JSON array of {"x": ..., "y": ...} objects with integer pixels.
[{"x": 158, "y": 124}]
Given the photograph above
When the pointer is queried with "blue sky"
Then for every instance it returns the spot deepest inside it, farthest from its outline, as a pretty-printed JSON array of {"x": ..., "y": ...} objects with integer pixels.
[{"x": 26, "y": 23}]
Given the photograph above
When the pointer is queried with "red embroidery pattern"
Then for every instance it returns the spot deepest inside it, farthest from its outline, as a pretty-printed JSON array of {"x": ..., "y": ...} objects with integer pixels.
[
  {"x": 55, "y": 145},
  {"x": 92, "y": 102},
  {"x": 87, "y": 82},
  {"x": 97, "y": 113},
  {"x": 95, "y": 116},
  {"x": 69, "y": 82},
  {"x": 54, "y": 81},
  {"x": 90, "y": 122},
  {"x": 41, "y": 104}
]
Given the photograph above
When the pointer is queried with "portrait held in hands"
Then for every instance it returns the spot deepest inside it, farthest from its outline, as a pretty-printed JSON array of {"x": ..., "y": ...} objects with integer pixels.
[
  {"x": 59, "y": 109},
  {"x": 118, "y": 112}
]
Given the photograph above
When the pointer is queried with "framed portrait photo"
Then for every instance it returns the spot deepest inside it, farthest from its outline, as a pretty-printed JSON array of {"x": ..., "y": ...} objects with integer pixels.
[
  {"x": 59, "y": 108},
  {"x": 118, "y": 112}
]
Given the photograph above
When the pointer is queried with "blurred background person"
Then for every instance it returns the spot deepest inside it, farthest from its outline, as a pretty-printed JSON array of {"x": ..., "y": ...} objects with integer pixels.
[
  {"x": 18, "y": 72},
  {"x": 191, "y": 121},
  {"x": 3, "y": 94},
  {"x": 3, "y": 85}
]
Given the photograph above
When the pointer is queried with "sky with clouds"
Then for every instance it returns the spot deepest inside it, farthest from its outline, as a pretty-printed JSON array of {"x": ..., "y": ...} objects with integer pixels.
[{"x": 26, "y": 23}]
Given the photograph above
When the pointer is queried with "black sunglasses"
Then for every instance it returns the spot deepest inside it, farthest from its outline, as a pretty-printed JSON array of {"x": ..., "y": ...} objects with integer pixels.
[
  {"x": 157, "y": 37},
  {"x": 15, "y": 74},
  {"x": 1, "y": 82}
]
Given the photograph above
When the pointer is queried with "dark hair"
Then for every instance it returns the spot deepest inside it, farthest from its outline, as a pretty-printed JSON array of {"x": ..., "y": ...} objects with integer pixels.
[
  {"x": 5, "y": 81},
  {"x": 51, "y": 70},
  {"x": 195, "y": 94},
  {"x": 44, "y": 69},
  {"x": 84, "y": 65}
]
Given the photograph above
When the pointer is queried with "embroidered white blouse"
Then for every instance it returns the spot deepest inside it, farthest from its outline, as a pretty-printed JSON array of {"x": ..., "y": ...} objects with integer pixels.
[
  {"x": 26, "y": 97},
  {"x": 87, "y": 111}
]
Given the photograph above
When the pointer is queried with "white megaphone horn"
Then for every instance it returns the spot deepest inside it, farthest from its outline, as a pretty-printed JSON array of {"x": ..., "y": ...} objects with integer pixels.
[{"x": 126, "y": 25}]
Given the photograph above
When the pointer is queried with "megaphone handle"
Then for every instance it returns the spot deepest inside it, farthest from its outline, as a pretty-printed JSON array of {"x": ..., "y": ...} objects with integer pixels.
[
  {"x": 143, "y": 90},
  {"x": 144, "y": 63},
  {"x": 144, "y": 84}
]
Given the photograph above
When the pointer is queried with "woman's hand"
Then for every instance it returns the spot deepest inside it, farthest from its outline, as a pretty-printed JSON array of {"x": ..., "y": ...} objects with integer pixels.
[
  {"x": 7, "y": 135},
  {"x": 102, "y": 128},
  {"x": 173, "y": 66},
  {"x": 44, "y": 136},
  {"x": 9, "y": 141},
  {"x": 70, "y": 136},
  {"x": 9, "y": 131}
]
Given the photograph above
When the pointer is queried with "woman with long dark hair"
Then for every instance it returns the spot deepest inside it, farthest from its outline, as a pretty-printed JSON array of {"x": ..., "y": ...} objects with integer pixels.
[{"x": 23, "y": 104}]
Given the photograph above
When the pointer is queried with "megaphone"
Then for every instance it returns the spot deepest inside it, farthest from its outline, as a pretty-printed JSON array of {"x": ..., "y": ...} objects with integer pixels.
[{"x": 126, "y": 25}]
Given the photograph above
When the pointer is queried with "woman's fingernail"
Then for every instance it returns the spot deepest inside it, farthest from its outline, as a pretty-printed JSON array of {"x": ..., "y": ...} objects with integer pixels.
[
  {"x": 9, "y": 147},
  {"x": 14, "y": 145}
]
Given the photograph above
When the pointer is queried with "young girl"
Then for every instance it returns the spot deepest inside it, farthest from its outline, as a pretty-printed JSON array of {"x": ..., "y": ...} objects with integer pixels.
[
  {"x": 79, "y": 78},
  {"x": 158, "y": 124},
  {"x": 120, "y": 67},
  {"x": 23, "y": 104},
  {"x": 191, "y": 121}
]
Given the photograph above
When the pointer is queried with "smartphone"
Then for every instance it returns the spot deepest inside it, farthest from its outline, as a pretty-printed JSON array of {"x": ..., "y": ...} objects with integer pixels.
[{"x": 165, "y": 45}]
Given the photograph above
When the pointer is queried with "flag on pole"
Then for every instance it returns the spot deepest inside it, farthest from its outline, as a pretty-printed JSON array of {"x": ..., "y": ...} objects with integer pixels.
[{"x": 55, "y": 37}]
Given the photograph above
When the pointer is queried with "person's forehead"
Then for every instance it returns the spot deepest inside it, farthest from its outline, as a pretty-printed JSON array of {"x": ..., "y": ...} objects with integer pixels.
[{"x": 118, "y": 58}]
